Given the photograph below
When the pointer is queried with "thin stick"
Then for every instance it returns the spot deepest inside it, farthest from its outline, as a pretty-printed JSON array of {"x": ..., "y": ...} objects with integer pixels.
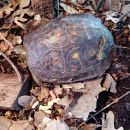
[
  {"x": 126, "y": 14},
  {"x": 94, "y": 3},
  {"x": 4, "y": 39},
  {"x": 58, "y": 7},
  {"x": 115, "y": 101},
  {"x": 13, "y": 66}
]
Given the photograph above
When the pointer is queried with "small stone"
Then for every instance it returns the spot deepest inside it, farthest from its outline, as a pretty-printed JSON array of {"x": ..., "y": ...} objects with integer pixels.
[{"x": 24, "y": 101}]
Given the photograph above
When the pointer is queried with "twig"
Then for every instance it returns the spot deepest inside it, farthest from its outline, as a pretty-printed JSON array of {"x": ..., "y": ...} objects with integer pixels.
[
  {"x": 58, "y": 7},
  {"x": 8, "y": 42},
  {"x": 115, "y": 101},
  {"x": 13, "y": 66},
  {"x": 124, "y": 16},
  {"x": 94, "y": 3}
]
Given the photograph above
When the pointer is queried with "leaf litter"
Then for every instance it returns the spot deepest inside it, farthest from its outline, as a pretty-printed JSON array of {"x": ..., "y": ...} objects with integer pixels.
[{"x": 19, "y": 17}]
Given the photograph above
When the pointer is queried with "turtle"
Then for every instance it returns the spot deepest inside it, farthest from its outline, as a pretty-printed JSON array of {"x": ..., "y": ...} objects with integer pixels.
[{"x": 69, "y": 49}]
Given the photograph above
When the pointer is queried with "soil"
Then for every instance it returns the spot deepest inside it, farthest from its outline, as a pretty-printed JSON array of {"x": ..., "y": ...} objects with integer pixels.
[{"x": 122, "y": 115}]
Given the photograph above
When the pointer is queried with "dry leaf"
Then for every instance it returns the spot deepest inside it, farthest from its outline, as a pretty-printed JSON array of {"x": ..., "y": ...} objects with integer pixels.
[
  {"x": 24, "y": 3},
  {"x": 17, "y": 19},
  {"x": 4, "y": 46},
  {"x": 49, "y": 106},
  {"x": 88, "y": 103},
  {"x": 21, "y": 125},
  {"x": 73, "y": 86},
  {"x": 6, "y": 124},
  {"x": 65, "y": 102},
  {"x": 44, "y": 93},
  {"x": 58, "y": 90},
  {"x": 125, "y": 9},
  {"x": 110, "y": 15},
  {"x": 92, "y": 87},
  {"x": 110, "y": 122},
  {"x": 110, "y": 83},
  {"x": 68, "y": 9},
  {"x": 116, "y": 5},
  {"x": 56, "y": 125},
  {"x": 3, "y": 37},
  {"x": 38, "y": 118}
]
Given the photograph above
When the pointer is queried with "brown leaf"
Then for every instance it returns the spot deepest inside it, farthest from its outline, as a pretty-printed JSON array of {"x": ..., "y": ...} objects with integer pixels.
[
  {"x": 110, "y": 122},
  {"x": 44, "y": 93},
  {"x": 24, "y": 3}
]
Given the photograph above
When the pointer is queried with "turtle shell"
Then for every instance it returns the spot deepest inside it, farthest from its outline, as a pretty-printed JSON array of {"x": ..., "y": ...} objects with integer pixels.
[{"x": 69, "y": 49}]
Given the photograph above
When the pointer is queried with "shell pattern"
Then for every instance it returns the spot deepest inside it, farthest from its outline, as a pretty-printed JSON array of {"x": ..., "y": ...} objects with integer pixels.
[{"x": 65, "y": 50}]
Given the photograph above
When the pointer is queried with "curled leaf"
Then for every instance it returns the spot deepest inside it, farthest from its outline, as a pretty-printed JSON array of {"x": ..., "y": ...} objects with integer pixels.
[
  {"x": 24, "y": 3},
  {"x": 68, "y": 9}
]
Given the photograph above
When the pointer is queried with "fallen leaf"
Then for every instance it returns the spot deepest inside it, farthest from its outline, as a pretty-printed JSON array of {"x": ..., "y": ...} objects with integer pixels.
[
  {"x": 110, "y": 122},
  {"x": 68, "y": 9},
  {"x": 111, "y": 15},
  {"x": 14, "y": 39},
  {"x": 4, "y": 46},
  {"x": 92, "y": 87},
  {"x": 35, "y": 91},
  {"x": 17, "y": 21},
  {"x": 65, "y": 102},
  {"x": 3, "y": 37},
  {"x": 56, "y": 125},
  {"x": 3, "y": 125},
  {"x": 24, "y": 3},
  {"x": 38, "y": 118},
  {"x": 58, "y": 90},
  {"x": 44, "y": 93},
  {"x": 73, "y": 86},
  {"x": 116, "y": 5},
  {"x": 88, "y": 103},
  {"x": 125, "y": 9},
  {"x": 8, "y": 114},
  {"x": 19, "y": 49},
  {"x": 21, "y": 125},
  {"x": 109, "y": 83},
  {"x": 49, "y": 106},
  {"x": 6, "y": 124},
  {"x": 90, "y": 126},
  {"x": 44, "y": 8}
]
